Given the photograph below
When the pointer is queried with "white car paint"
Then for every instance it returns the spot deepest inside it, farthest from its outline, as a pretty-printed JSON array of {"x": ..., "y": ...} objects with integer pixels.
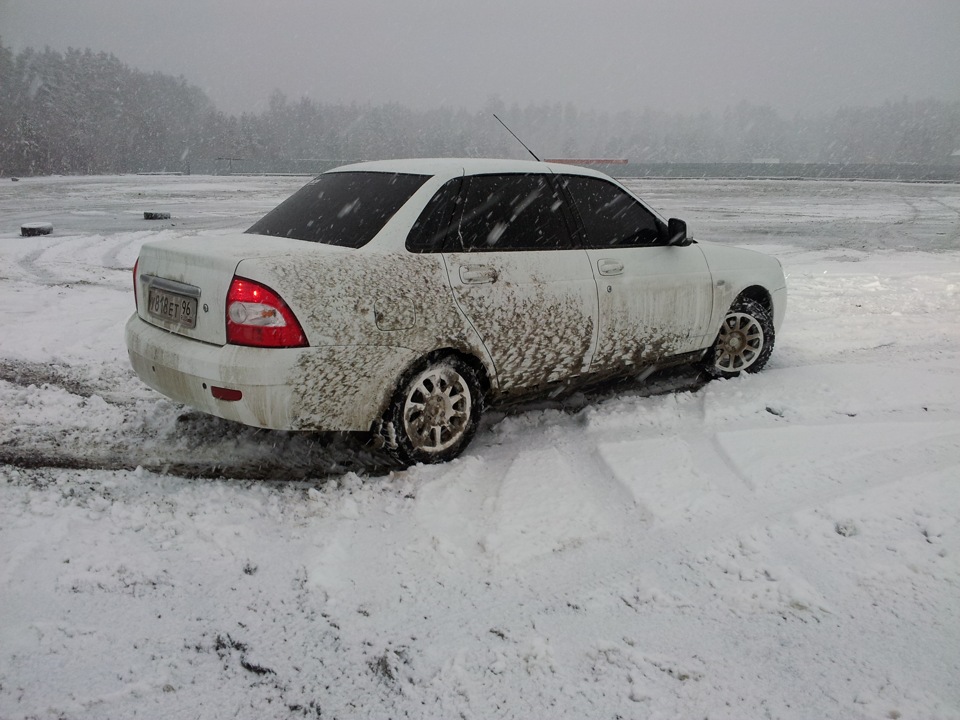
[{"x": 528, "y": 318}]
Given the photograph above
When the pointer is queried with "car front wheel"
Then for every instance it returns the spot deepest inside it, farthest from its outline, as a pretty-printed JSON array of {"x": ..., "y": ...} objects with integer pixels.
[
  {"x": 744, "y": 342},
  {"x": 434, "y": 412}
]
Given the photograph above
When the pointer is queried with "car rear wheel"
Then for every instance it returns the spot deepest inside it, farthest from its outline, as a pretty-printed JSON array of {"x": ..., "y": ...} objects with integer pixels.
[
  {"x": 744, "y": 342},
  {"x": 434, "y": 412}
]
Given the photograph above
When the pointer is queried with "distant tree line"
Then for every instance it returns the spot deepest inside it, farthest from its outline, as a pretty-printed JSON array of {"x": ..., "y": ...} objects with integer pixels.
[{"x": 82, "y": 112}]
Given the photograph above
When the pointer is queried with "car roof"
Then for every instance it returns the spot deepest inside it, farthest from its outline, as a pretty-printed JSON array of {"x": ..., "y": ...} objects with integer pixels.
[{"x": 452, "y": 167}]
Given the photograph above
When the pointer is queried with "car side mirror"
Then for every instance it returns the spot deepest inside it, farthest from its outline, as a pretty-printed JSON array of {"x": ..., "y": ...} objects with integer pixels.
[{"x": 677, "y": 232}]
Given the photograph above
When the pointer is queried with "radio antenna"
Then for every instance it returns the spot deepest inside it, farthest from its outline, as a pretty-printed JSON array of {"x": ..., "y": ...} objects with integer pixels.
[{"x": 518, "y": 139}]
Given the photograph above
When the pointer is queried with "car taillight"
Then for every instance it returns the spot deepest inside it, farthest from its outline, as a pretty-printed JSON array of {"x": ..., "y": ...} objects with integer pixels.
[
  {"x": 136, "y": 300},
  {"x": 256, "y": 316}
]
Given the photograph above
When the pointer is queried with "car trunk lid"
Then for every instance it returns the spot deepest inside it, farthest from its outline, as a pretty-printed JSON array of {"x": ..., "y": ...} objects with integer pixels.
[{"x": 182, "y": 283}]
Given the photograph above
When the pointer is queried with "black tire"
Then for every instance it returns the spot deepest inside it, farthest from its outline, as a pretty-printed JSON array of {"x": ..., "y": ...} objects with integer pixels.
[
  {"x": 434, "y": 412},
  {"x": 33, "y": 229},
  {"x": 744, "y": 342}
]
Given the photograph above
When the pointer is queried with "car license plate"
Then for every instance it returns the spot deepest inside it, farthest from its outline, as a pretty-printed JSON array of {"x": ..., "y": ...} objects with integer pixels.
[{"x": 172, "y": 307}]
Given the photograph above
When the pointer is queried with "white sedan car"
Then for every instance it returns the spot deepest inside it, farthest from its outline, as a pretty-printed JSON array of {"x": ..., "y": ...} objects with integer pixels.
[{"x": 403, "y": 297}]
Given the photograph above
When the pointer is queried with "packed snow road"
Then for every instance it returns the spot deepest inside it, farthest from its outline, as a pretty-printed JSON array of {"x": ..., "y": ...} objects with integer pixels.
[{"x": 781, "y": 545}]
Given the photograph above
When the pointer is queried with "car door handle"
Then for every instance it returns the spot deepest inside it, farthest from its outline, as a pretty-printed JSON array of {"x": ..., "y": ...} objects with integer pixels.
[
  {"x": 609, "y": 267},
  {"x": 477, "y": 274}
]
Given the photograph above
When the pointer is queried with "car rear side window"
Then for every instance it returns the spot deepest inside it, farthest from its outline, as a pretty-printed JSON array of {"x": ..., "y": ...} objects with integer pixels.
[
  {"x": 437, "y": 221},
  {"x": 344, "y": 208},
  {"x": 510, "y": 212},
  {"x": 611, "y": 217}
]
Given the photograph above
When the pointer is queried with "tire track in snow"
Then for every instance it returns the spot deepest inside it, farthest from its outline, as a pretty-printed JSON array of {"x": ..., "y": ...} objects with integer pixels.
[
  {"x": 563, "y": 579},
  {"x": 52, "y": 459},
  {"x": 277, "y": 457},
  {"x": 110, "y": 258},
  {"x": 955, "y": 234},
  {"x": 150, "y": 432},
  {"x": 158, "y": 435},
  {"x": 28, "y": 264},
  {"x": 71, "y": 379},
  {"x": 64, "y": 262}
]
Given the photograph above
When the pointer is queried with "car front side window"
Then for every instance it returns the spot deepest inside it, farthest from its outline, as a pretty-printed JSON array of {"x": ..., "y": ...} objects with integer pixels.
[{"x": 611, "y": 217}]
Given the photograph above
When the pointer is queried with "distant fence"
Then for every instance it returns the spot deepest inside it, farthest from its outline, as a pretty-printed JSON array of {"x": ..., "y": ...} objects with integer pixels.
[
  {"x": 783, "y": 171},
  {"x": 589, "y": 161},
  {"x": 906, "y": 172},
  {"x": 253, "y": 166}
]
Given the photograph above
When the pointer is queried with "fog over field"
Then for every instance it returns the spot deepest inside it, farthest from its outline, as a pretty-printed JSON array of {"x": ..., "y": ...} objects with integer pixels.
[
  {"x": 611, "y": 55},
  {"x": 208, "y": 86}
]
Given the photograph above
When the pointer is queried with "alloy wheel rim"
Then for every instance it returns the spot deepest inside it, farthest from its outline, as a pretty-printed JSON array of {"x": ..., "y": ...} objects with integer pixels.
[
  {"x": 436, "y": 412},
  {"x": 739, "y": 343}
]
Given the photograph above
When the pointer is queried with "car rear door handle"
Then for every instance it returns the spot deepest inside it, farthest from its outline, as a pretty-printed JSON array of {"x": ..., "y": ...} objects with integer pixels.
[
  {"x": 477, "y": 274},
  {"x": 609, "y": 267}
]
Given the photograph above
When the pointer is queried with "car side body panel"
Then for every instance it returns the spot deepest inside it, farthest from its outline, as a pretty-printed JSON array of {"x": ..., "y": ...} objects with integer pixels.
[
  {"x": 534, "y": 312},
  {"x": 655, "y": 302}
]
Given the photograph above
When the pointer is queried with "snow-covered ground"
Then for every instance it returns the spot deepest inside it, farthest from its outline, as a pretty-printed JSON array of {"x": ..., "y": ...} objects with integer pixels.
[{"x": 783, "y": 545}]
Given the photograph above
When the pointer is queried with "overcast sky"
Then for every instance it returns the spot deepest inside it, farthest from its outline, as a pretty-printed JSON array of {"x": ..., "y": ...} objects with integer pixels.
[{"x": 678, "y": 55}]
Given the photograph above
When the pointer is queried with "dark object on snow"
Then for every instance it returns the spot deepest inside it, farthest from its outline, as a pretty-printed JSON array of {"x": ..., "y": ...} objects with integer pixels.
[
  {"x": 156, "y": 215},
  {"x": 36, "y": 228},
  {"x": 14, "y": 179},
  {"x": 846, "y": 528}
]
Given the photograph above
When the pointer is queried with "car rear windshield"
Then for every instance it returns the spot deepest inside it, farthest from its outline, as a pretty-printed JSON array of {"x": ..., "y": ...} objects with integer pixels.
[{"x": 344, "y": 208}]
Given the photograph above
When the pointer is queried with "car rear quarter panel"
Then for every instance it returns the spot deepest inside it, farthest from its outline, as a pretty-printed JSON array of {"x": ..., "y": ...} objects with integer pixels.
[{"x": 376, "y": 313}]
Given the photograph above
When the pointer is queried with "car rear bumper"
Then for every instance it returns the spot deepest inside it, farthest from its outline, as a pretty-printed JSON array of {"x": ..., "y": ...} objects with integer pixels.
[{"x": 313, "y": 388}]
